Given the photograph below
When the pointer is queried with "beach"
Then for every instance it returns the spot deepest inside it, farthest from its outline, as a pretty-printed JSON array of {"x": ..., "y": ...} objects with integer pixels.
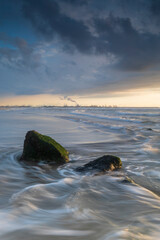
[{"x": 41, "y": 201}]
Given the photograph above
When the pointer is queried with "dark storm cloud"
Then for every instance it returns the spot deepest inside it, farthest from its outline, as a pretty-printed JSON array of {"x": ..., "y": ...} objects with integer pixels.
[
  {"x": 46, "y": 17},
  {"x": 76, "y": 2},
  {"x": 135, "y": 50},
  {"x": 77, "y": 46},
  {"x": 155, "y": 9}
]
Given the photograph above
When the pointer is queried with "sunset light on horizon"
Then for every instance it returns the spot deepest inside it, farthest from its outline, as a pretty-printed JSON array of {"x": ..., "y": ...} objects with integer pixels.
[{"x": 132, "y": 99}]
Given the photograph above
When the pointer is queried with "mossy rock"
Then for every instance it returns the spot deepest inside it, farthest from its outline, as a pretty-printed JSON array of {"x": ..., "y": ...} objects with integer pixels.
[
  {"x": 102, "y": 164},
  {"x": 39, "y": 147}
]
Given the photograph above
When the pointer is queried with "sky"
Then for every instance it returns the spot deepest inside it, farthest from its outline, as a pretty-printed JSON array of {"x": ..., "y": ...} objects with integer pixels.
[{"x": 85, "y": 52}]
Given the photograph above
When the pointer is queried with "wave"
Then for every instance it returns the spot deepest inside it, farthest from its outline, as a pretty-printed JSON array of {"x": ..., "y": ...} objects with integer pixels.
[
  {"x": 106, "y": 117},
  {"x": 139, "y": 114}
]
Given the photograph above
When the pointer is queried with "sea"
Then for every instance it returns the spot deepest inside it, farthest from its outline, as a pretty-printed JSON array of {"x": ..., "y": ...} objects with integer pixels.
[{"x": 46, "y": 202}]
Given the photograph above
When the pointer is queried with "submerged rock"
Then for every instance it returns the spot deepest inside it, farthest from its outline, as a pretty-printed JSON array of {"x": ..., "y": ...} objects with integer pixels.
[
  {"x": 127, "y": 180},
  {"x": 40, "y": 147},
  {"x": 149, "y": 129},
  {"x": 102, "y": 164}
]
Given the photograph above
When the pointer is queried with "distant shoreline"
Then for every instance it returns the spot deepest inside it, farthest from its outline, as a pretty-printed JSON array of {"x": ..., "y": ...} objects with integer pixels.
[{"x": 67, "y": 106}]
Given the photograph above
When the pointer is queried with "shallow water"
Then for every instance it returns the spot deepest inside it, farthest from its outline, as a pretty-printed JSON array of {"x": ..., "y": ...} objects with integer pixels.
[{"x": 41, "y": 202}]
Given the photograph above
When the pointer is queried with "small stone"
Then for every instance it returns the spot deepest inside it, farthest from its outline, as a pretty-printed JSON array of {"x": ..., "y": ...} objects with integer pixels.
[
  {"x": 127, "y": 180},
  {"x": 102, "y": 164},
  {"x": 149, "y": 129}
]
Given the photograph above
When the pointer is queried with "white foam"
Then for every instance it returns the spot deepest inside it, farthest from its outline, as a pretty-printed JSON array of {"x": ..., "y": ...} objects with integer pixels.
[{"x": 61, "y": 232}]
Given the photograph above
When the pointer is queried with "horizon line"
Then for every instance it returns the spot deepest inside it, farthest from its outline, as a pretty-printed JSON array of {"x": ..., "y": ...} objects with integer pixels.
[{"x": 85, "y": 106}]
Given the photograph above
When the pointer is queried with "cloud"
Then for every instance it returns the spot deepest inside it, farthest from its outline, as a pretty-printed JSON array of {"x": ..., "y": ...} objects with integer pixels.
[
  {"x": 47, "y": 19},
  {"x": 79, "y": 46},
  {"x": 17, "y": 53},
  {"x": 155, "y": 9},
  {"x": 76, "y": 2},
  {"x": 134, "y": 50}
]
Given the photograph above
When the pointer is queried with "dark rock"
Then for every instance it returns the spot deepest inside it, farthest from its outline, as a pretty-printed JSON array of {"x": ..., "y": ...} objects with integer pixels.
[
  {"x": 102, "y": 164},
  {"x": 127, "y": 180},
  {"x": 39, "y": 147}
]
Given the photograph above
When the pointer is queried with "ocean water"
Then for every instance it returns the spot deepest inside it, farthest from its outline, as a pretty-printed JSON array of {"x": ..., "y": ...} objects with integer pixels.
[{"x": 41, "y": 202}]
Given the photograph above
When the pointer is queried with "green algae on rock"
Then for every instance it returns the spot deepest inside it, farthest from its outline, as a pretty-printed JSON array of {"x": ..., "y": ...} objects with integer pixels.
[
  {"x": 102, "y": 164},
  {"x": 39, "y": 147}
]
